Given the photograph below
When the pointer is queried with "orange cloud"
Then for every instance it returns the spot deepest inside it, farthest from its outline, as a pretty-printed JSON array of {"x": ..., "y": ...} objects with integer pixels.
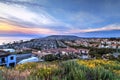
[{"x": 7, "y": 27}]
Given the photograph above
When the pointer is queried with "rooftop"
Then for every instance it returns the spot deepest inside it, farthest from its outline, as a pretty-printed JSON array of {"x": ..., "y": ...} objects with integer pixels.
[{"x": 4, "y": 53}]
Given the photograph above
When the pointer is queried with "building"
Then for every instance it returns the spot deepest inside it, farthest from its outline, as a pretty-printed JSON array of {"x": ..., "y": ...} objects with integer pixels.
[
  {"x": 84, "y": 53},
  {"x": 116, "y": 54},
  {"x": 7, "y": 59},
  {"x": 8, "y": 50}
]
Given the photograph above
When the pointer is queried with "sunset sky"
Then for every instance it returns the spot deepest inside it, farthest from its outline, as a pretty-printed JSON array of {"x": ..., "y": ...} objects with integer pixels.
[{"x": 35, "y": 18}]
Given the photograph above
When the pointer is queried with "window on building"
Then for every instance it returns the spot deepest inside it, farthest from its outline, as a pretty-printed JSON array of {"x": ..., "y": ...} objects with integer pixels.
[
  {"x": 11, "y": 58},
  {"x": 12, "y": 64},
  {"x": 3, "y": 60}
]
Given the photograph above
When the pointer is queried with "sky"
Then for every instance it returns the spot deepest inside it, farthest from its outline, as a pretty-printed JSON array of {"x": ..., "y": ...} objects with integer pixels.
[{"x": 38, "y": 18}]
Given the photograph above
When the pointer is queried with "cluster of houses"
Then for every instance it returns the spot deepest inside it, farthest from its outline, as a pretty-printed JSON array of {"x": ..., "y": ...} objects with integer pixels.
[
  {"x": 35, "y": 43},
  {"x": 8, "y": 59},
  {"x": 110, "y": 44},
  {"x": 82, "y": 53},
  {"x": 98, "y": 43},
  {"x": 41, "y": 48}
]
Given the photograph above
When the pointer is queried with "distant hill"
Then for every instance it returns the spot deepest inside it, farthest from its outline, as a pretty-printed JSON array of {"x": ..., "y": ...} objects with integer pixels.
[{"x": 62, "y": 37}]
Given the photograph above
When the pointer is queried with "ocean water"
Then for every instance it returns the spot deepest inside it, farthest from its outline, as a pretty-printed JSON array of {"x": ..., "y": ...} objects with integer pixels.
[{"x": 12, "y": 39}]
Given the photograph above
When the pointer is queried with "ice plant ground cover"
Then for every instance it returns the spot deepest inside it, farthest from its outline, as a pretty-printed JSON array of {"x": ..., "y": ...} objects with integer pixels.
[{"x": 64, "y": 70}]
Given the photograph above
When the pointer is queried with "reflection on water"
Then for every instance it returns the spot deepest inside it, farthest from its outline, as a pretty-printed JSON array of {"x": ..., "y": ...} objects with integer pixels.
[{"x": 12, "y": 39}]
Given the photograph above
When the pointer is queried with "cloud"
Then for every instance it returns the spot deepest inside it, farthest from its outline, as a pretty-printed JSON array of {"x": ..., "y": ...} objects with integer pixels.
[
  {"x": 23, "y": 14},
  {"x": 23, "y": 2},
  {"x": 26, "y": 16},
  {"x": 6, "y": 29},
  {"x": 105, "y": 28},
  {"x": 37, "y": 17},
  {"x": 20, "y": 19},
  {"x": 85, "y": 19}
]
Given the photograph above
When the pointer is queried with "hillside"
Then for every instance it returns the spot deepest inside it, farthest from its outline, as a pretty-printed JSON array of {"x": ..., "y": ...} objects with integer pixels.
[
  {"x": 41, "y": 43},
  {"x": 62, "y": 37}
]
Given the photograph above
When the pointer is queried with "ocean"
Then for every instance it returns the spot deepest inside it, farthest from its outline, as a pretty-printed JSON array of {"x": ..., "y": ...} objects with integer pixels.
[{"x": 12, "y": 39}]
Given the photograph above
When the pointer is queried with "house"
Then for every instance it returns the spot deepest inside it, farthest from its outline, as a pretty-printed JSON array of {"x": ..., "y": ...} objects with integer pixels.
[
  {"x": 8, "y": 50},
  {"x": 7, "y": 59},
  {"x": 116, "y": 54},
  {"x": 84, "y": 53},
  {"x": 118, "y": 46},
  {"x": 114, "y": 46},
  {"x": 41, "y": 53}
]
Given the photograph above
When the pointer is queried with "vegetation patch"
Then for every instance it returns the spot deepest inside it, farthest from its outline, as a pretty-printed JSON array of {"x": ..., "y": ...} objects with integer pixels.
[{"x": 64, "y": 70}]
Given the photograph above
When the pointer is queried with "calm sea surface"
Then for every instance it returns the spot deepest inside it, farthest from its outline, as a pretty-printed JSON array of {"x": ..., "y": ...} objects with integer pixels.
[{"x": 12, "y": 39}]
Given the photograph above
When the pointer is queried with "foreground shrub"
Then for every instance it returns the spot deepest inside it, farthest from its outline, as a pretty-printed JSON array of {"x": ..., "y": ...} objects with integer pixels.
[{"x": 65, "y": 70}]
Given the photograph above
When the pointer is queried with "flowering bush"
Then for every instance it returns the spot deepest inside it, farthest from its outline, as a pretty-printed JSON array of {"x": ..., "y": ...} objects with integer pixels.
[
  {"x": 26, "y": 66},
  {"x": 65, "y": 70}
]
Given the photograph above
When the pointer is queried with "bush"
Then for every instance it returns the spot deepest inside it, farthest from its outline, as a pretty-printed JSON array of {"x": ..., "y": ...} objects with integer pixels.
[
  {"x": 50, "y": 57},
  {"x": 65, "y": 70}
]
